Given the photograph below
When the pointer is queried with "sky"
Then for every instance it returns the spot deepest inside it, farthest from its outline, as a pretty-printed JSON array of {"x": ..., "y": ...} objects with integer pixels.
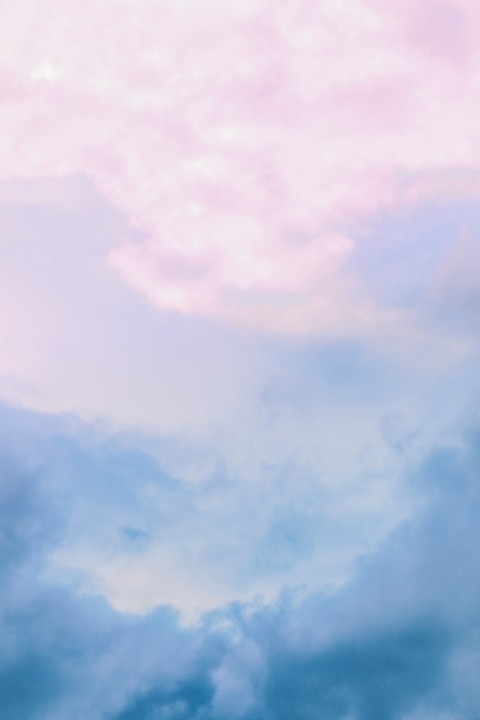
[{"x": 239, "y": 349}]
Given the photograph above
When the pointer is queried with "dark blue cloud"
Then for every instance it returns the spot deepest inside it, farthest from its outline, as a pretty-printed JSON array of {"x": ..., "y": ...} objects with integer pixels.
[
  {"x": 401, "y": 638},
  {"x": 377, "y": 676},
  {"x": 184, "y": 698}
]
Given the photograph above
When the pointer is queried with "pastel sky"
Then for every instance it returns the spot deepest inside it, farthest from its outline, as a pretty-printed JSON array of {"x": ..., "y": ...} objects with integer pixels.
[{"x": 239, "y": 351}]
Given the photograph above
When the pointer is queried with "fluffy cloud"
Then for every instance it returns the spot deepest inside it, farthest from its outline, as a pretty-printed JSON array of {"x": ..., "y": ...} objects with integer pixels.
[
  {"x": 249, "y": 141},
  {"x": 309, "y": 509},
  {"x": 399, "y": 641},
  {"x": 195, "y": 528}
]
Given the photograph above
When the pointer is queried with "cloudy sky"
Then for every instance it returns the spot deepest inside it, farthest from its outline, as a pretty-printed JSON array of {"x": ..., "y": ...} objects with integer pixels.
[{"x": 239, "y": 351}]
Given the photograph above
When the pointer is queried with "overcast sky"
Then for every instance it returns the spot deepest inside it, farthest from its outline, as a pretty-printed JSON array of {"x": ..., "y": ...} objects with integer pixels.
[{"x": 239, "y": 351}]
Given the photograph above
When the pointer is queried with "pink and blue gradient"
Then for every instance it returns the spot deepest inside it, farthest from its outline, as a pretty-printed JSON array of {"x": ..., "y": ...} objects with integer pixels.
[{"x": 239, "y": 302}]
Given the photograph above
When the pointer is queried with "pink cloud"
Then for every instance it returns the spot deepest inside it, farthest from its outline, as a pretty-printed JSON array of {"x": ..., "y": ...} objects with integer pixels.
[{"x": 247, "y": 140}]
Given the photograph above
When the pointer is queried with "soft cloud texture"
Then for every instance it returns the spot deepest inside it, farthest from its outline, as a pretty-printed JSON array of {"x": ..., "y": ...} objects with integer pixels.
[
  {"x": 194, "y": 527},
  {"x": 399, "y": 641},
  {"x": 239, "y": 288},
  {"x": 247, "y": 141},
  {"x": 74, "y": 337},
  {"x": 307, "y": 441}
]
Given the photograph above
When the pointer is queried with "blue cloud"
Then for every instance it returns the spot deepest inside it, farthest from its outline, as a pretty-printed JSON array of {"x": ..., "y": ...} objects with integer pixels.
[
  {"x": 399, "y": 641},
  {"x": 377, "y": 676},
  {"x": 403, "y": 252}
]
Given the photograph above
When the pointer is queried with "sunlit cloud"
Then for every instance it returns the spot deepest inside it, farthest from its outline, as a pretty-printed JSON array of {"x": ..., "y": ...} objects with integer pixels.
[{"x": 248, "y": 142}]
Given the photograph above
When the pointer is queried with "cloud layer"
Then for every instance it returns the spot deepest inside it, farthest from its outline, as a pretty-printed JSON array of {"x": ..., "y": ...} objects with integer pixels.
[
  {"x": 248, "y": 142},
  {"x": 239, "y": 248},
  {"x": 398, "y": 641}
]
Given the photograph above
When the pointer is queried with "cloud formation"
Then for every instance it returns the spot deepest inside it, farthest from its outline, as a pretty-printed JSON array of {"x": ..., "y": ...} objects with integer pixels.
[
  {"x": 249, "y": 142},
  {"x": 399, "y": 641},
  {"x": 75, "y": 338},
  {"x": 260, "y": 525},
  {"x": 195, "y": 528}
]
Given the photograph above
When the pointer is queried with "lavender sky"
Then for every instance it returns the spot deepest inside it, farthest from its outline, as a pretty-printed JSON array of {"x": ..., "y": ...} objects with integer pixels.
[{"x": 239, "y": 351}]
